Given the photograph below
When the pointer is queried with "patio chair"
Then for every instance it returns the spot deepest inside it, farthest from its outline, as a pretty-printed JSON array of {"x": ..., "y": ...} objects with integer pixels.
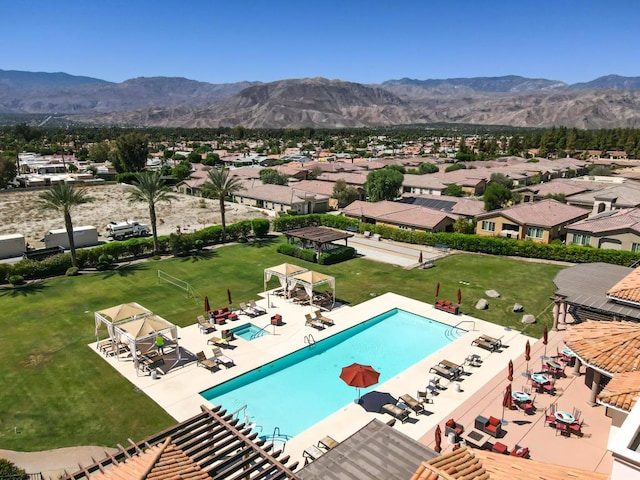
[
  {"x": 222, "y": 358},
  {"x": 313, "y": 322},
  {"x": 328, "y": 443},
  {"x": 576, "y": 427},
  {"x": 483, "y": 343},
  {"x": 401, "y": 414},
  {"x": 203, "y": 361},
  {"x": 549, "y": 415},
  {"x": 563, "y": 429},
  {"x": 425, "y": 397},
  {"x": 519, "y": 451},
  {"x": 576, "y": 413},
  {"x": 451, "y": 426},
  {"x": 549, "y": 387},
  {"x": 204, "y": 325},
  {"x": 413, "y": 404},
  {"x": 256, "y": 308},
  {"x": 529, "y": 406},
  {"x": 326, "y": 320}
]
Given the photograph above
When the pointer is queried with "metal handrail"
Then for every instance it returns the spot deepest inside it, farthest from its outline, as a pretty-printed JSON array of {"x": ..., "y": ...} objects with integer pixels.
[
  {"x": 309, "y": 339},
  {"x": 464, "y": 321},
  {"x": 260, "y": 332}
]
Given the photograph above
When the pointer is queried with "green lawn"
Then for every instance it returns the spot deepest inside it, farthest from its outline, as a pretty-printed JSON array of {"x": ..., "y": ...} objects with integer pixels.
[{"x": 56, "y": 392}]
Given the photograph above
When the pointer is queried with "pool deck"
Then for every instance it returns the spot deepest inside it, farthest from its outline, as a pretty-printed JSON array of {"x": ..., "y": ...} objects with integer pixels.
[{"x": 480, "y": 391}]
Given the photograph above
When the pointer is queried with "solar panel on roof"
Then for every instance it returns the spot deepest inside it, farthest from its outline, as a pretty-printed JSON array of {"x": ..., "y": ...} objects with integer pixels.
[
  {"x": 604, "y": 214},
  {"x": 435, "y": 204}
]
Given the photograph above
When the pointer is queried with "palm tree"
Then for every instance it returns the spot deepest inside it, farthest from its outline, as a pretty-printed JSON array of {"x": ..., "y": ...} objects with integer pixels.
[
  {"x": 149, "y": 187},
  {"x": 63, "y": 197},
  {"x": 221, "y": 185}
]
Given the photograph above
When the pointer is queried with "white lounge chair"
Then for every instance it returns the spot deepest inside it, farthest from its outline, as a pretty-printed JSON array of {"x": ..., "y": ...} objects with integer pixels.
[
  {"x": 222, "y": 358},
  {"x": 313, "y": 322}
]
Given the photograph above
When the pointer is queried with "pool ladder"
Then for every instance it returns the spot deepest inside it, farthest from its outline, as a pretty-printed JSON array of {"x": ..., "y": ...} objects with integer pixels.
[
  {"x": 308, "y": 339},
  {"x": 279, "y": 437},
  {"x": 260, "y": 333},
  {"x": 247, "y": 418},
  {"x": 454, "y": 332}
]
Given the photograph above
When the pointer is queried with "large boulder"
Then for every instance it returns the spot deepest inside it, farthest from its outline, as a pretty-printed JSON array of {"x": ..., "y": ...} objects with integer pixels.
[
  {"x": 528, "y": 319},
  {"x": 482, "y": 304},
  {"x": 492, "y": 294},
  {"x": 518, "y": 308}
]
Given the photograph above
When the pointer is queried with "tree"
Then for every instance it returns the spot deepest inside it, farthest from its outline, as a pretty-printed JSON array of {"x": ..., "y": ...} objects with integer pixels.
[
  {"x": 427, "y": 167},
  {"x": 99, "y": 152},
  {"x": 221, "y": 185},
  {"x": 344, "y": 194},
  {"x": 464, "y": 225},
  {"x": 132, "y": 152},
  {"x": 8, "y": 469},
  {"x": 64, "y": 197},
  {"x": 8, "y": 170},
  {"x": 383, "y": 184},
  {"x": 211, "y": 159},
  {"x": 496, "y": 196},
  {"x": 501, "y": 179},
  {"x": 182, "y": 170},
  {"x": 150, "y": 188},
  {"x": 273, "y": 177},
  {"x": 454, "y": 190}
]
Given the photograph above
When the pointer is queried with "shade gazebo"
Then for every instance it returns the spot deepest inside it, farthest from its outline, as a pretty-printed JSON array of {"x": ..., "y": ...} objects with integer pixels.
[
  {"x": 117, "y": 314},
  {"x": 310, "y": 279},
  {"x": 284, "y": 272}
]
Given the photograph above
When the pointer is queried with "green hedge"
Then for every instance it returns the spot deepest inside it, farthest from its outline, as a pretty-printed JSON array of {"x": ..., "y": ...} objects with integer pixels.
[
  {"x": 260, "y": 227},
  {"x": 336, "y": 255},
  {"x": 293, "y": 251},
  {"x": 314, "y": 220}
]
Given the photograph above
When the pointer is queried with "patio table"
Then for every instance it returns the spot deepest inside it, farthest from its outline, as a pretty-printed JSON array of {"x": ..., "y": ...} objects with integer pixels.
[
  {"x": 564, "y": 417},
  {"x": 567, "y": 352},
  {"x": 554, "y": 364},
  {"x": 540, "y": 378},
  {"x": 519, "y": 396}
]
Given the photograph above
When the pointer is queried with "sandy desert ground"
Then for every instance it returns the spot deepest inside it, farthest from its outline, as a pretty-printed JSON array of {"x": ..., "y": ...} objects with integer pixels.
[{"x": 21, "y": 212}]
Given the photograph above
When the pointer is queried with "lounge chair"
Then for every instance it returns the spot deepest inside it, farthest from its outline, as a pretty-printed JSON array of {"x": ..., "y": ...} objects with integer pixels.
[
  {"x": 222, "y": 358},
  {"x": 203, "y": 361},
  {"x": 256, "y": 308},
  {"x": 245, "y": 310},
  {"x": 413, "y": 404},
  {"x": 326, "y": 320},
  {"x": 448, "y": 370},
  {"x": 488, "y": 343},
  {"x": 328, "y": 443},
  {"x": 218, "y": 341},
  {"x": 401, "y": 414},
  {"x": 313, "y": 322},
  {"x": 204, "y": 325}
]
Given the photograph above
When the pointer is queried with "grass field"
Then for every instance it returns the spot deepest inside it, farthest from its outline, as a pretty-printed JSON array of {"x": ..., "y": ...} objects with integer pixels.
[{"x": 56, "y": 392}]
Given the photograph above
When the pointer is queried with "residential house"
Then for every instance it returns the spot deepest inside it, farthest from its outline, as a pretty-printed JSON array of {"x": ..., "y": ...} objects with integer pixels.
[
  {"x": 280, "y": 198},
  {"x": 624, "y": 195},
  {"x": 423, "y": 184},
  {"x": 541, "y": 222},
  {"x": 534, "y": 193},
  {"x": 472, "y": 182},
  {"x": 613, "y": 229},
  {"x": 461, "y": 206},
  {"x": 401, "y": 215}
]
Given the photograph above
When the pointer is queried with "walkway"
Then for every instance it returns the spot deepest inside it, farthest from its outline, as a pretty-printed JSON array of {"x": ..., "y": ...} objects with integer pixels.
[{"x": 395, "y": 253}]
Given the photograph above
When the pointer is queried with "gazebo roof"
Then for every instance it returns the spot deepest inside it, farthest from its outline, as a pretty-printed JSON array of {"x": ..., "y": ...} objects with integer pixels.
[
  {"x": 286, "y": 269},
  {"x": 622, "y": 391},
  {"x": 317, "y": 234},
  {"x": 606, "y": 345},
  {"x": 143, "y": 327},
  {"x": 124, "y": 311},
  {"x": 313, "y": 278}
]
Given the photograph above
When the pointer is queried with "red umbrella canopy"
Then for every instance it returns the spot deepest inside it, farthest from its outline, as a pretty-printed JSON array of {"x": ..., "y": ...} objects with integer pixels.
[
  {"x": 510, "y": 376},
  {"x": 507, "y": 400},
  {"x": 229, "y": 295},
  {"x": 545, "y": 335},
  {"x": 361, "y": 376},
  {"x": 206, "y": 304},
  {"x": 438, "y": 435},
  {"x": 420, "y": 257},
  {"x": 437, "y": 289},
  {"x": 527, "y": 351},
  {"x": 459, "y": 295}
]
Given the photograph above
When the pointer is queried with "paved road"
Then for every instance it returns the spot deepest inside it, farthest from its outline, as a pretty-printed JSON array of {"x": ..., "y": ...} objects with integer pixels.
[{"x": 395, "y": 253}]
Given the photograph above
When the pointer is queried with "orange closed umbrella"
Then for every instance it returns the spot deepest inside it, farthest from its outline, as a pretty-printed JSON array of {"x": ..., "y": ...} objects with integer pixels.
[
  {"x": 459, "y": 296},
  {"x": 437, "y": 289},
  {"x": 438, "y": 434},
  {"x": 507, "y": 401},
  {"x": 206, "y": 304},
  {"x": 545, "y": 340},
  {"x": 527, "y": 355},
  {"x": 420, "y": 257},
  {"x": 359, "y": 376},
  {"x": 510, "y": 375}
]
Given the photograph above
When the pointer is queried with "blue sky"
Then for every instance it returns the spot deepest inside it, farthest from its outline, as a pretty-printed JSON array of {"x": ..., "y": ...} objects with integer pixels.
[{"x": 361, "y": 41}]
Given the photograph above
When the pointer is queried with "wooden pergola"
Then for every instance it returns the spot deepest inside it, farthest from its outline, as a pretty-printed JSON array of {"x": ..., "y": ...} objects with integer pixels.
[
  {"x": 213, "y": 441},
  {"x": 317, "y": 237}
]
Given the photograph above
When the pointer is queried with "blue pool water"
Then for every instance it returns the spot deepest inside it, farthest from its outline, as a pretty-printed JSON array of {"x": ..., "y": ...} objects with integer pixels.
[
  {"x": 300, "y": 389},
  {"x": 248, "y": 331}
]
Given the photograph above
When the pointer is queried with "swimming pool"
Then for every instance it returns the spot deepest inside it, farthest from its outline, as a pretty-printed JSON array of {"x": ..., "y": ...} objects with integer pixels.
[
  {"x": 248, "y": 331},
  {"x": 300, "y": 389}
]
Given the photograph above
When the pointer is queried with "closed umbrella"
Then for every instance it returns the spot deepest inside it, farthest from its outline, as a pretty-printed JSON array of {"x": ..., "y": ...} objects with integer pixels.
[
  {"x": 510, "y": 375},
  {"x": 420, "y": 257},
  {"x": 527, "y": 356},
  {"x": 437, "y": 289},
  {"x": 438, "y": 434},
  {"x": 359, "y": 376},
  {"x": 459, "y": 296},
  {"x": 545, "y": 339},
  {"x": 507, "y": 401},
  {"x": 206, "y": 304},
  {"x": 229, "y": 296}
]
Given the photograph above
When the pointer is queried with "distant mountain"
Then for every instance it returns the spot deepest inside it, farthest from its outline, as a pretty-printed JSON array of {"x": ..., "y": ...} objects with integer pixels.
[
  {"x": 20, "y": 80},
  {"x": 506, "y": 84},
  {"x": 615, "y": 82}
]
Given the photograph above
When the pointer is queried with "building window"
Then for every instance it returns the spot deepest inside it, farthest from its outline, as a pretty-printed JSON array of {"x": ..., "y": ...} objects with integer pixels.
[
  {"x": 635, "y": 247},
  {"x": 488, "y": 226},
  {"x": 581, "y": 239},
  {"x": 535, "y": 232}
]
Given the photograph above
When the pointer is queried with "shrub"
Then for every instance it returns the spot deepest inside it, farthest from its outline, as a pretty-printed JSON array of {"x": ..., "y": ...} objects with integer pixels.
[
  {"x": 198, "y": 244},
  {"x": 181, "y": 244},
  {"x": 336, "y": 255},
  {"x": 301, "y": 253},
  {"x": 5, "y": 268},
  {"x": 16, "y": 279},
  {"x": 9, "y": 470},
  {"x": 72, "y": 271},
  {"x": 260, "y": 227},
  {"x": 105, "y": 261}
]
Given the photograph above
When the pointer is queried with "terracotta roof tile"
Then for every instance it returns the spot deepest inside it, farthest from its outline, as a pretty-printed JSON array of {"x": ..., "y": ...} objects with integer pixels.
[
  {"x": 627, "y": 219},
  {"x": 622, "y": 391},
  {"x": 471, "y": 464},
  {"x": 546, "y": 213},
  {"x": 628, "y": 288},
  {"x": 610, "y": 346}
]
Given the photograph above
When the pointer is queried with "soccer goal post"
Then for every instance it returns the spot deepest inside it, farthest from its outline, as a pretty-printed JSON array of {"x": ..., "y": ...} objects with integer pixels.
[{"x": 186, "y": 286}]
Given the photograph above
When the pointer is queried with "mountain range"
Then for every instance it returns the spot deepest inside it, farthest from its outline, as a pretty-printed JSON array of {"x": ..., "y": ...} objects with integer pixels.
[{"x": 606, "y": 102}]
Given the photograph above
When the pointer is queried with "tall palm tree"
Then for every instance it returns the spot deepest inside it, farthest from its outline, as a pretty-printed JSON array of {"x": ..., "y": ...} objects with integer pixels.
[
  {"x": 221, "y": 185},
  {"x": 63, "y": 197},
  {"x": 149, "y": 187}
]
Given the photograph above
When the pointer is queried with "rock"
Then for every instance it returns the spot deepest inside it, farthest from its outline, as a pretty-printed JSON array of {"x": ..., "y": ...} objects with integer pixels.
[
  {"x": 482, "y": 304},
  {"x": 492, "y": 294},
  {"x": 528, "y": 319},
  {"x": 518, "y": 308}
]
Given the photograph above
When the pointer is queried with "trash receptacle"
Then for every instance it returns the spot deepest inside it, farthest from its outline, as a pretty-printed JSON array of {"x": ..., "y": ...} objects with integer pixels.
[
  {"x": 154, "y": 374},
  {"x": 456, "y": 387}
]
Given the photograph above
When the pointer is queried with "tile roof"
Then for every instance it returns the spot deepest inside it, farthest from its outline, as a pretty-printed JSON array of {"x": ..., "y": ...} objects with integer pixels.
[
  {"x": 423, "y": 181},
  {"x": 610, "y": 346},
  {"x": 622, "y": 391},
  {"x": 315, "y": 186},
  {"x": 398, "y": 213},
  {"x": 282, "y": 194},
  {"x": 472, "y": 464},
  {"x": 627, "y": 289},
  {"x": 458, "y": 205},
  {"x": 546, "y": 213},
  {"x": 625, "y": 195},
  {"x": 626, "y": 219},
  {"x": 352, "y": 178},
  {"x": 555, "y": 187}
]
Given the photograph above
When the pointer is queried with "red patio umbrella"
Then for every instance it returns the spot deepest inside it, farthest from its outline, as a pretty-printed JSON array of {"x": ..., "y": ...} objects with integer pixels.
[
  {"x": 437, "y": 289},
  {"x": 206, "y": 304},
  {"x": 510, "y": 375},
  {"x": 420, "y": 257},
  {"x": 527, "y": 355},
  {"x": 459, "y": 296},
  {"x": 229, "y": 296},
  {"x": 359, "y": 376},
  {"x": 438, "y": 434},
  {"x": 507, "y": 401},
  {"x": 545, "y": 339}
]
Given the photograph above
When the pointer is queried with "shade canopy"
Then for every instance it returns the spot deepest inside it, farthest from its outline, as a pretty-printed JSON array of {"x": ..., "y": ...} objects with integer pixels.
[
  {"x": 310, "y": 279},
  {"x": 283, "y": 271},
  {"x": 361, "y": 376},
  {"x": 123, "y": 312}
]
